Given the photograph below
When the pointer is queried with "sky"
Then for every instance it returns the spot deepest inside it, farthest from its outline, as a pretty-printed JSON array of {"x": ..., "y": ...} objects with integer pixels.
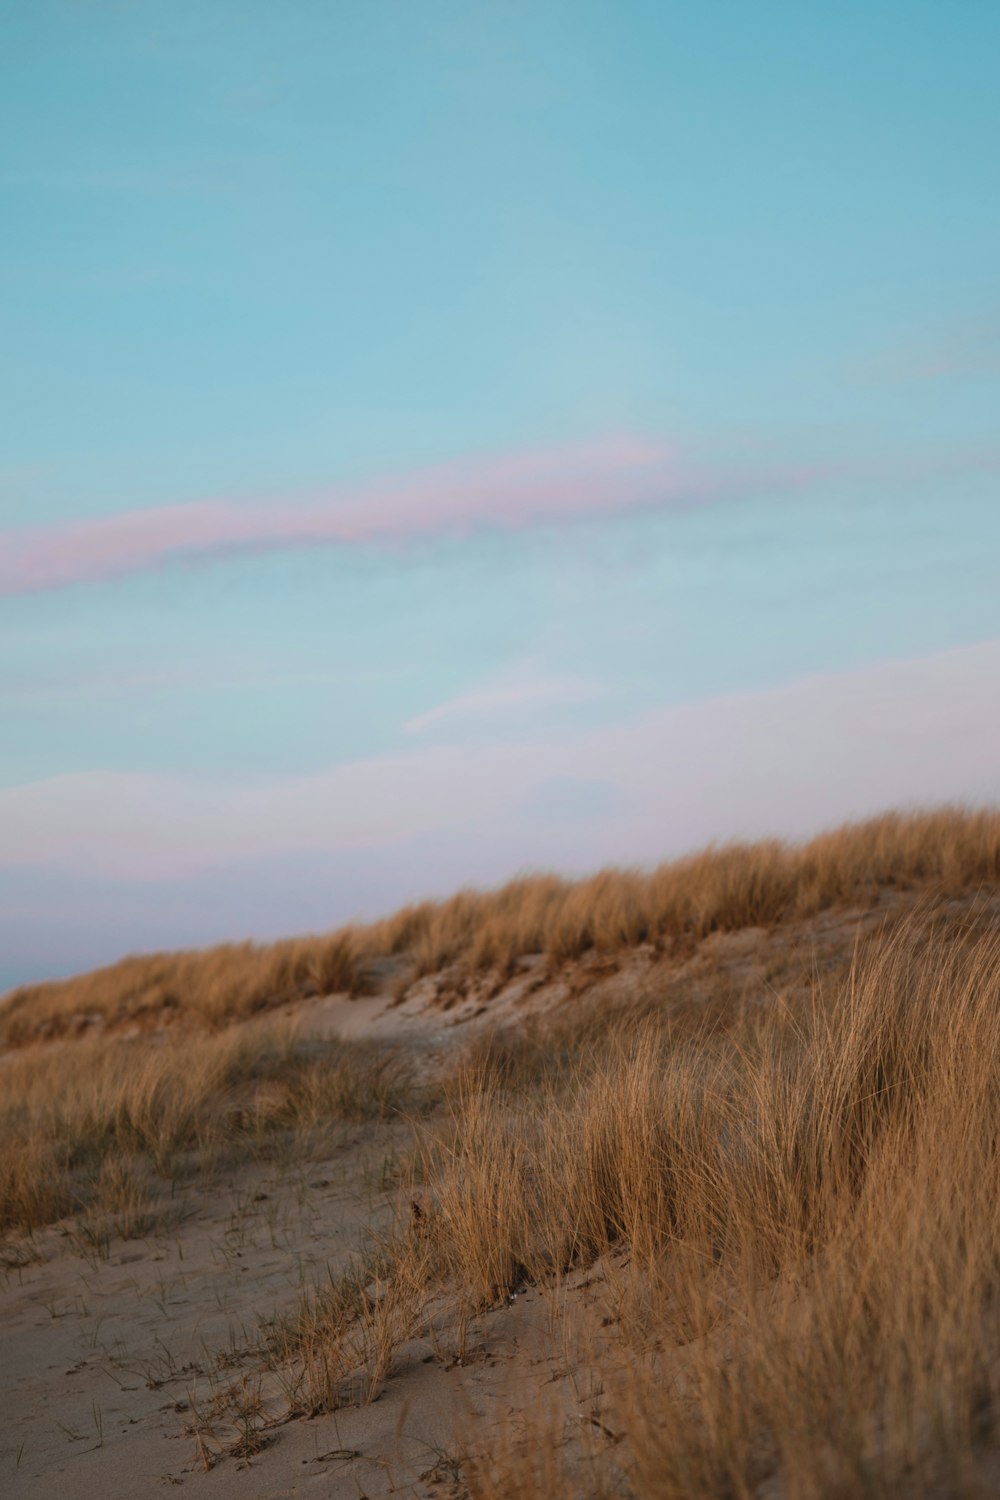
[{"x": 452, "y": 439}]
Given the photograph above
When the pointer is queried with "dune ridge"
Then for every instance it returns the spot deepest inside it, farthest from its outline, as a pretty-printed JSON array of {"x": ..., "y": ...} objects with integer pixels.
[{"x": 648, "y": 1186}]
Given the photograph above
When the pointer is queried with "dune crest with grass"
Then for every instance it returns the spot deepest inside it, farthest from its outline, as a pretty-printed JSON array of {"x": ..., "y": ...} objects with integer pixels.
[{"x": 654, "y": 1185}]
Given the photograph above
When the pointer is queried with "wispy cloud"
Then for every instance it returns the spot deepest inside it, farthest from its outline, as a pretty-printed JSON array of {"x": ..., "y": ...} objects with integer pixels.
[
  {"x": 509, "y": 492},
  {"x": 507, "y": 697},
  {"x": 784, "y": 761}
]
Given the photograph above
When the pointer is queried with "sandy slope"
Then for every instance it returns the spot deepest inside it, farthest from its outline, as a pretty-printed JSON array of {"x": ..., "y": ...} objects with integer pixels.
[
  {"x": 104, "y": 1359},
  {"x": 107, "y": 1359}
]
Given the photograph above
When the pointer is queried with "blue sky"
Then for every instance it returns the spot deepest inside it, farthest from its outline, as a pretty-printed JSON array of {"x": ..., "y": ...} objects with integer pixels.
[{"x": 452, "y": 438}]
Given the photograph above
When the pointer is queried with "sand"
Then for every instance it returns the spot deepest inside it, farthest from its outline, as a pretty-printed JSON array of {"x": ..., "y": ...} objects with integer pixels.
[{"x": 113, "y": 1360}]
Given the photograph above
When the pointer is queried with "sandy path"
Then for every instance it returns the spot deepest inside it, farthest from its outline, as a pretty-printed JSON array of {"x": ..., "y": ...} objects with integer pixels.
[{"x": 101, "y": 1356}]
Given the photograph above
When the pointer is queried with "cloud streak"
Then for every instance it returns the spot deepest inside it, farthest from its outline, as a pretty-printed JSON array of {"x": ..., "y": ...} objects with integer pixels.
[
  {"x": 507, "y": 697},
  {"x": 509, "y": 492},
  {"x": 785, "y": 761}
]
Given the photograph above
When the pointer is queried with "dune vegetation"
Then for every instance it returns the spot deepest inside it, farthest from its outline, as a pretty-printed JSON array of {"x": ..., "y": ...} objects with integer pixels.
[
  {"x": 107, "y": 1126},
  {"x": 798, "y": 1220},
  {"x": 761, "y": 1220},
  {"x": 950, "y": 851},
  {"x": 790, "y": 1212}
]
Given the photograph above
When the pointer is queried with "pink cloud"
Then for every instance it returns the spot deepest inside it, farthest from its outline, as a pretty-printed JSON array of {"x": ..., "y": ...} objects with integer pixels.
[{"x": 508, "y": 492}]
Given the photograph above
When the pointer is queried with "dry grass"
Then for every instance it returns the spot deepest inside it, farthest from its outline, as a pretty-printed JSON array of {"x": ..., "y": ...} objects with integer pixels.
[
  {"x": 798, "y": 1215},
  {"x": 812, "y": 1213},
  {"x": 950, "y": 851},
  {"x": 794, "y": 1204},
  {"x": 339, "y": 1347},
  {"x": 212, "y": 988},
  {"x": 101, "y": 1124},
  {"x": 740, "y": 885}
]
